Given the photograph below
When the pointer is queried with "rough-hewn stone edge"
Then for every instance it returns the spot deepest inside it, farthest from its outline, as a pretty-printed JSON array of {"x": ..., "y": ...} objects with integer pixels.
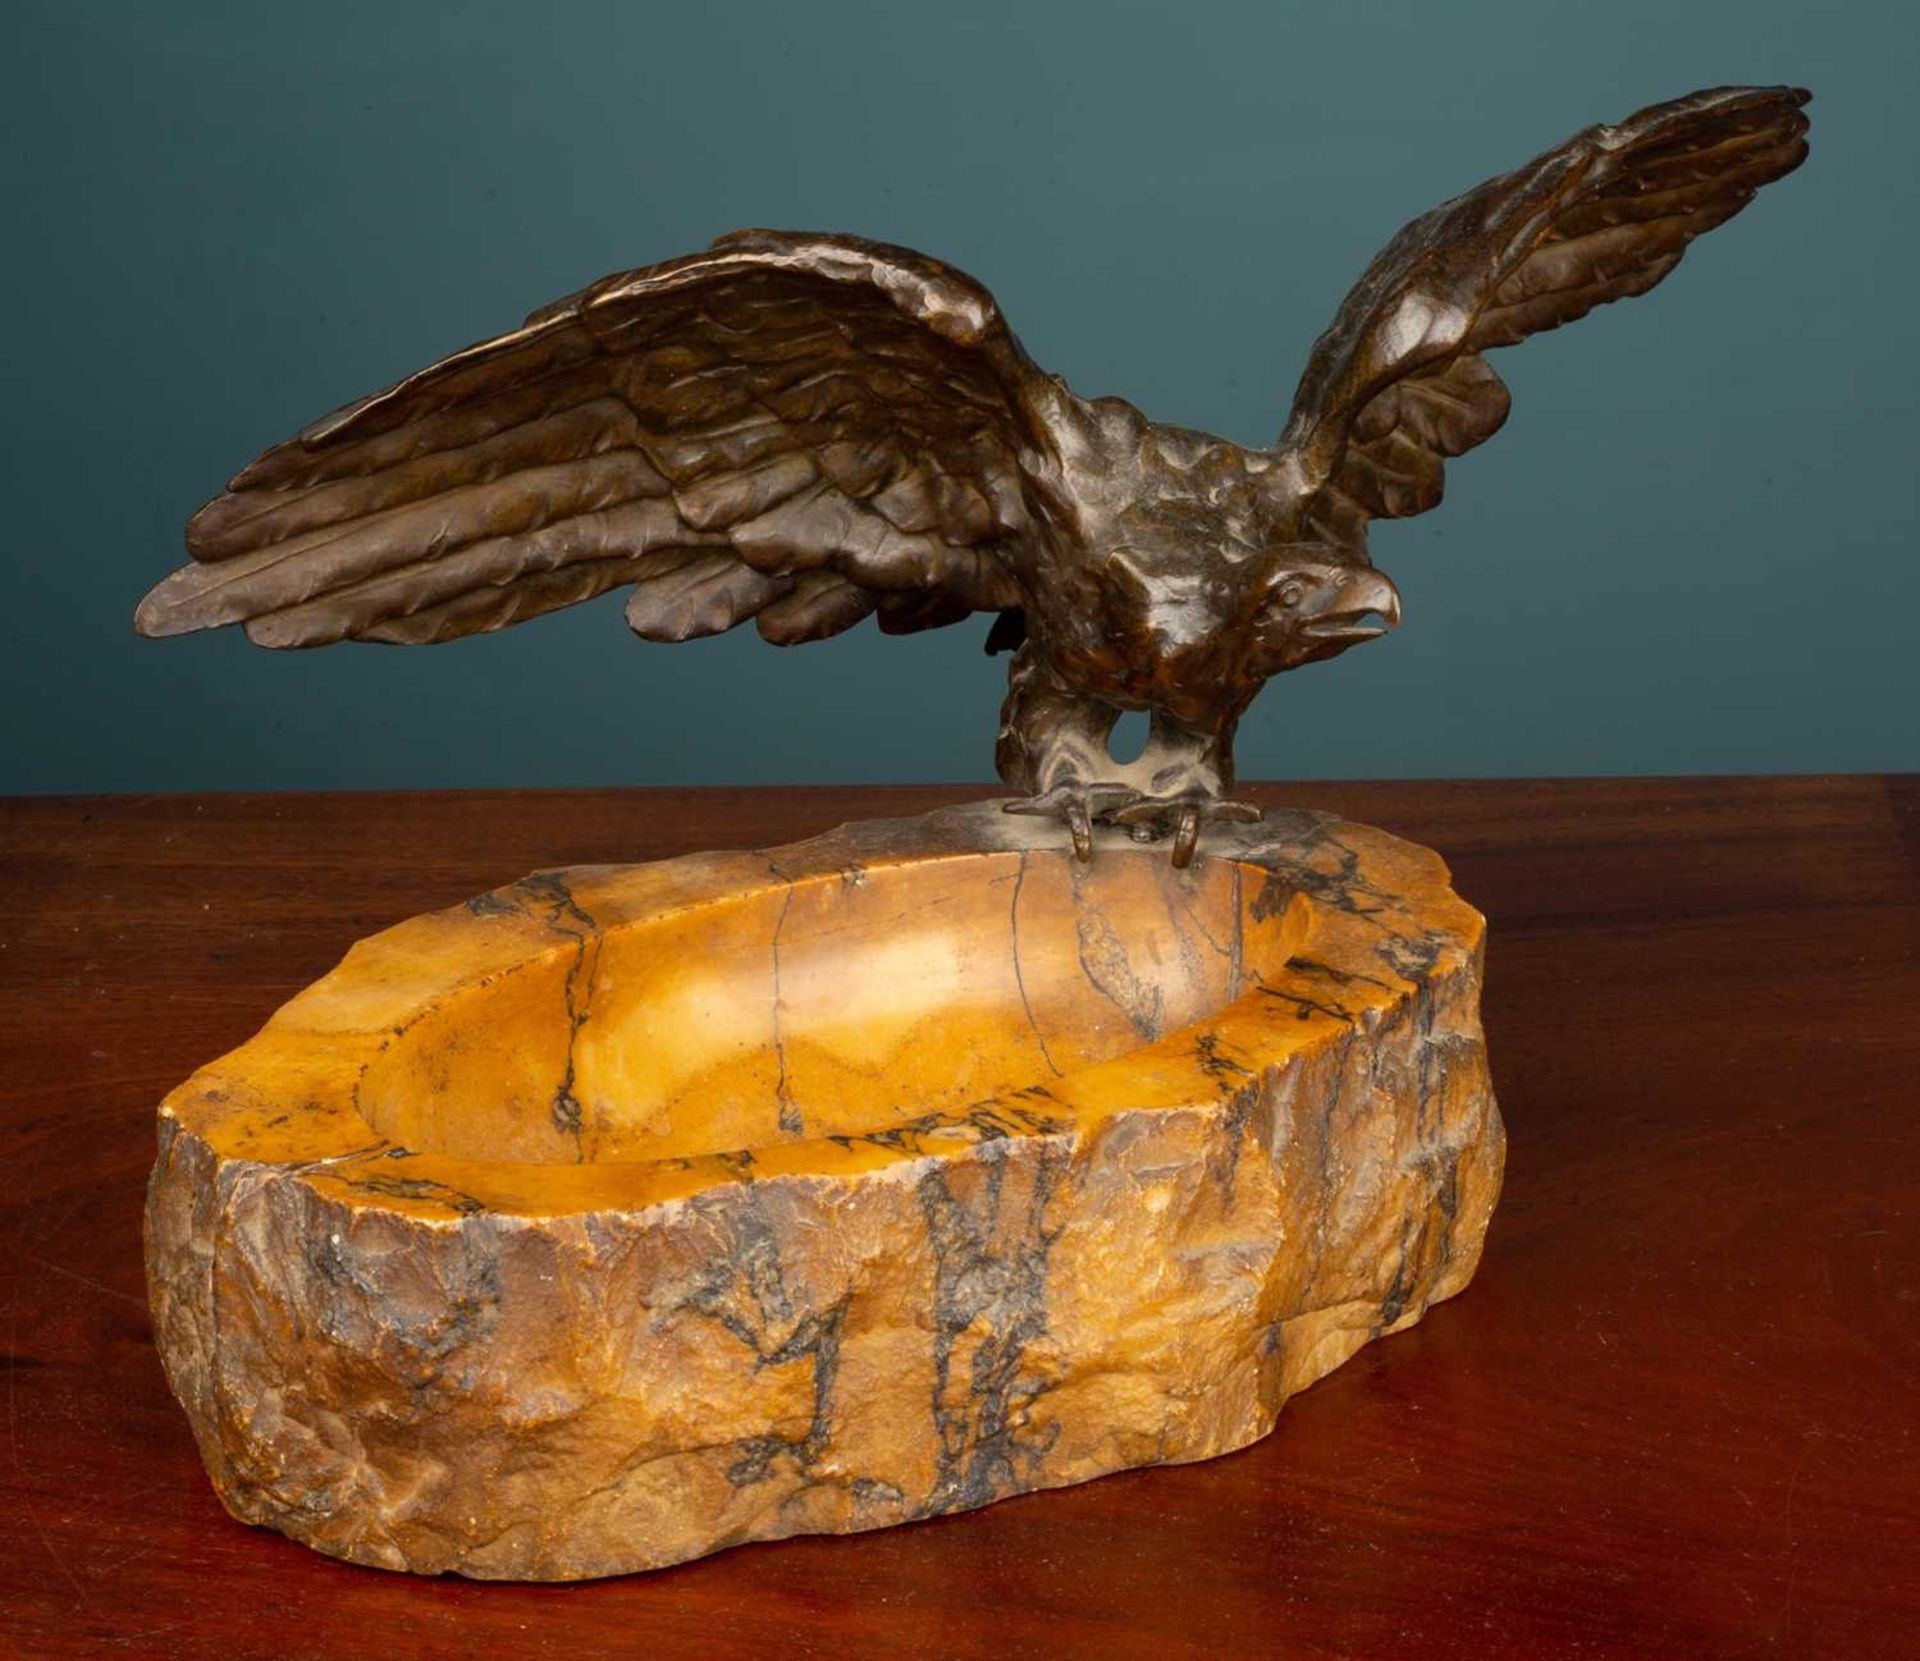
[{"x": 192, "y": 1211}]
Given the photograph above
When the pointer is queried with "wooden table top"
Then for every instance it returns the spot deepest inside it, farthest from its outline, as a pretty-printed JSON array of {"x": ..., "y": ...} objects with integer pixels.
[{"x": 1676, "y": 1414}]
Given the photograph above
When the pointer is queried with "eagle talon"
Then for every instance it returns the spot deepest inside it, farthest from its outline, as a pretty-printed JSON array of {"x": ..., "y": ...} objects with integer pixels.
[
  {"x": 1186, "y": 836},
  {"x": 1080, "y": 827},
  {"x": 1146, "y": 818},
  {"x": 1187, "y": 812},
  {"x": 1078, "y": 805}
]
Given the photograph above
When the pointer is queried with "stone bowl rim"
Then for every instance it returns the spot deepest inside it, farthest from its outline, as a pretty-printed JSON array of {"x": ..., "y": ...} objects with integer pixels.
[{"x": 283, "y": 1103}]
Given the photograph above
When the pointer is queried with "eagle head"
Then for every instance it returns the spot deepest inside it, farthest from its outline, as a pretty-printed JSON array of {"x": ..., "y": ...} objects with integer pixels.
[{"x": 1315, "y": 606}]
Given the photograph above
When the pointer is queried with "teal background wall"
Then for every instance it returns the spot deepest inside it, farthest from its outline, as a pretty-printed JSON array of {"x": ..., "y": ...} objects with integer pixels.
[{"x": 1693, "y": 549}]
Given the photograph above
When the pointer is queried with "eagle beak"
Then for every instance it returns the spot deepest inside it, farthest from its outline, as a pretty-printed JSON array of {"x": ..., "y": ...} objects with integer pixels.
[{"x": 1364, "y": 609}]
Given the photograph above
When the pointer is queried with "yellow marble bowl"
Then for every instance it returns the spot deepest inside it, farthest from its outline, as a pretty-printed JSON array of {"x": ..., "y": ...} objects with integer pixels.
[{"x": 629, "y": 1212}]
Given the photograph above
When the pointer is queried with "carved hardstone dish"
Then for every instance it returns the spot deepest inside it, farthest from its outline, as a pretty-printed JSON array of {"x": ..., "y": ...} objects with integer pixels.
[{"x": 631, "y": 1212}]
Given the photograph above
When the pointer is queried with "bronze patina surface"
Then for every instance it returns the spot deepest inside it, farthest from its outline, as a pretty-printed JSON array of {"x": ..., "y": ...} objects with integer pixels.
[
  {"x": 631, "y": 1212},
  {"x": 808, "y": 430}
]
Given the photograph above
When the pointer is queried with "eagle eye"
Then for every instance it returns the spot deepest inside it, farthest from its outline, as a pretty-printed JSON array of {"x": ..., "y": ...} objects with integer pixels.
[{"x": 1292, "y": 593}]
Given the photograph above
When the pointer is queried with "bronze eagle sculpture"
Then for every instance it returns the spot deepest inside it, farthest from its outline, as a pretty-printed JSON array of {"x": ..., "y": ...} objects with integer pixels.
[{"x": 808, "y": 430}]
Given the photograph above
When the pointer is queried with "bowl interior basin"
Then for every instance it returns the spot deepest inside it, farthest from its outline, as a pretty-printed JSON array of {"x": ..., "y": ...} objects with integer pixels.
[{"x": 836, "y": 1004}]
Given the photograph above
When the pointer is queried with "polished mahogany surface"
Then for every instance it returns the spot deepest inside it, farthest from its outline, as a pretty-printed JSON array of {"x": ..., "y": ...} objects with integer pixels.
[{"x": 1675, "y": 1415}]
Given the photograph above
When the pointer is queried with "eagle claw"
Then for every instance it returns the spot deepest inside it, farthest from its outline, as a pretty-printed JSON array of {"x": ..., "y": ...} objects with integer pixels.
[
  {"x": 1079, "y": 805},
  {"x": 1188, "y": 810},
  {"x": 1082, "y": 805}
]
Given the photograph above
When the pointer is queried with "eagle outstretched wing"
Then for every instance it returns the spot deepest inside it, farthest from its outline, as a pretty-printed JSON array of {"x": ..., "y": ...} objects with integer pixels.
[
  {"x": 1397, "y": 384},
  {"x": 799, "y": 429}
]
